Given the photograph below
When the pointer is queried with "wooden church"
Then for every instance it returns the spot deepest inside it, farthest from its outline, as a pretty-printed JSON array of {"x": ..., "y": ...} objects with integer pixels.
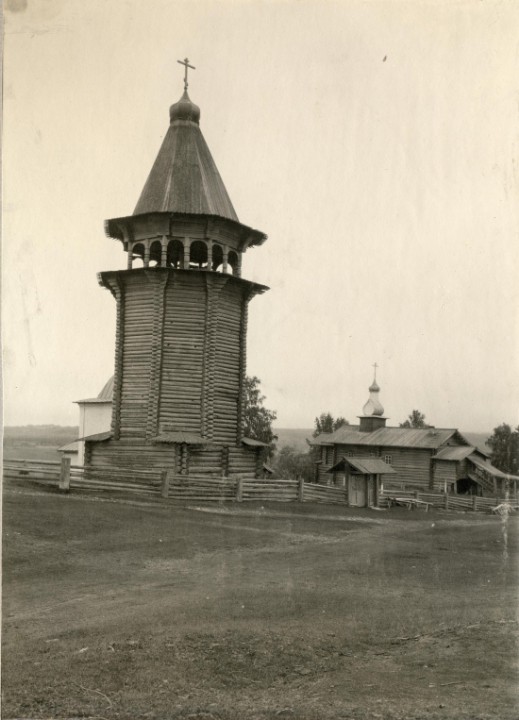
[
  {"x": 181, "y": 333},
  {"x": 366, "y": 456}
]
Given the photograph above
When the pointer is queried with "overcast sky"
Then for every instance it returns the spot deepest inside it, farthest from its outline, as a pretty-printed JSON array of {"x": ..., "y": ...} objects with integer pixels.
[{"x": 376, "y": 143}]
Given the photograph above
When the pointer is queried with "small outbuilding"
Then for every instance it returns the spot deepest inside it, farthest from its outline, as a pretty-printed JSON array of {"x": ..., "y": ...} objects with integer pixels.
[{"x": 362, "y": 478}]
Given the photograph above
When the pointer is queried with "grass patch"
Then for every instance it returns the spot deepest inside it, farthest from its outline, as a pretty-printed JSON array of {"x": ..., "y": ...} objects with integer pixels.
[{"x": 115, "y": 611}]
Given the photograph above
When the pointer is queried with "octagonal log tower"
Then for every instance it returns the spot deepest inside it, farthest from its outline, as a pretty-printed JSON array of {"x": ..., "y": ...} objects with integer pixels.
[{"x": 180, "y": 357}]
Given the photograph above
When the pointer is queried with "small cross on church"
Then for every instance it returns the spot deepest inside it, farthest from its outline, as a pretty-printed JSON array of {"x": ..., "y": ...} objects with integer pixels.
[
  {"x": 375, "y": 366},
  {"x": 186, "y": 65}
]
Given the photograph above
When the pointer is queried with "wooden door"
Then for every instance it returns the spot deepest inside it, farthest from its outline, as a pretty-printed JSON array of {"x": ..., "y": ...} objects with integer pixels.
[{"x": 357, "y": 491}]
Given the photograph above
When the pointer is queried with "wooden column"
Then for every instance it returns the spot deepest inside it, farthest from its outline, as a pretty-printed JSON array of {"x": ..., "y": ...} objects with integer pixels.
[
  {"x": 238, "y": 265},
  {"x": 209, "y": 255},
  {"x": 164, "y": 251},
  {"x": 243, "y": 361},
  {"x": 130, "y": 256},
  {"x": 156, "y": 350},
  {"x": 225, "y": 461},
  {"x": 184, "y": 459},
  {"x": 225, "y": 263},
  {"x": 117, "y": 290},
  {"x": 166, "y": 482},
  {"x": 147, "y": 244},
  {"x": 207, "y": 413},
  {"x": 187, "y": 252}
]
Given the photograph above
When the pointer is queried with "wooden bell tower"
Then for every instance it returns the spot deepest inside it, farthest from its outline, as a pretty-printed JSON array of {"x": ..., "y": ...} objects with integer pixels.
[{"x": 180, "y": 356}]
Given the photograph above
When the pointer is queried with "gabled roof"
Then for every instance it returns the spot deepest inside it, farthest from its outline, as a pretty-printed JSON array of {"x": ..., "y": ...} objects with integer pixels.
[
  {"x": 184, "y": 177},
  {"x": 489, "y": 468},
  {"x": 253, "y": 443},
  {"x": 105, "y": 396},
  {"x": 431, "y": 438},
  {"x": 458, "y": 452},
  {"x": 364, "y": 466},
  {"x": 98, "y": 437},
  {"x": 72, "y": 447}
]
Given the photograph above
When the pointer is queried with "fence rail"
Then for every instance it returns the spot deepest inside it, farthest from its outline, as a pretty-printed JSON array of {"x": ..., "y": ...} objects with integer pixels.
[{"x": 200, "y": 488}]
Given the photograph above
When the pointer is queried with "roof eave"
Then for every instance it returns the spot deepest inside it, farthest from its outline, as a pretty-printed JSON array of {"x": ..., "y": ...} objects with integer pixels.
[{"x": 120, "y": 228}]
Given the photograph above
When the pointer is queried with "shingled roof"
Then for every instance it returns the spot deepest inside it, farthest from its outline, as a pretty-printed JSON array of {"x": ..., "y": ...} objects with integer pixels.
[{"x": 184, "y": 177}]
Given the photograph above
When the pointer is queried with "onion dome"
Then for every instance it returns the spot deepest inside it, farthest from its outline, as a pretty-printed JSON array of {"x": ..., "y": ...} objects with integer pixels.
[
  {"x": 373, "y": 406},
  {"x": 185, "y": 110}
]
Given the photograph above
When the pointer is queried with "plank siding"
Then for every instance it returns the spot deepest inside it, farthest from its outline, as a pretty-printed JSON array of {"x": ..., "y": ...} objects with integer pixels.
[{"x": 445, "y": 473}]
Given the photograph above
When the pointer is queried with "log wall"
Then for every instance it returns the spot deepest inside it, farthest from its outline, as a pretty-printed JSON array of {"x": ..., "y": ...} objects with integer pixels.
[
  {"x": 180, "y": 363},
  {"x": 411, "y": 465}
]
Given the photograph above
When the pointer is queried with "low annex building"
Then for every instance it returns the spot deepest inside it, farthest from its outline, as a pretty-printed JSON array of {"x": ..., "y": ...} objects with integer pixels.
[{"x": 362, "y": 457}]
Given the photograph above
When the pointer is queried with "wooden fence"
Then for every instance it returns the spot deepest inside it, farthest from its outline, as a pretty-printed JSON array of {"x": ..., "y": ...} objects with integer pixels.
[{"x": 197, "y": 488}]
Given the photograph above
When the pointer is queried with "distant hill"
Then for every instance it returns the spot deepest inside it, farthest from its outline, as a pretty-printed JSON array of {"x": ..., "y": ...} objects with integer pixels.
[
  {"x": 37, "y": 442},
  {"x": 44, "y": 434},
  {"x": 296, "y": 437}
]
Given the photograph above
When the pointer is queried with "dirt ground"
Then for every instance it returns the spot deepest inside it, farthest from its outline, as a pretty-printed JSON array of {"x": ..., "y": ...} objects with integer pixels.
[{"x": 113, "y": 609}]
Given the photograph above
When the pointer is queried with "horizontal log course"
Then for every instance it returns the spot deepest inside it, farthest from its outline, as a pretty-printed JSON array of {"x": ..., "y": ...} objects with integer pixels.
[
  {"x": 107, "y": 485},
  {"x": 35, "y": 476}
]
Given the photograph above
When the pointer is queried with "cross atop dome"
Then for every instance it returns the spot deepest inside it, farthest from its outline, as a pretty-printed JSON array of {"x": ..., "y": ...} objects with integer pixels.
[{"x": 185, "y": 63}]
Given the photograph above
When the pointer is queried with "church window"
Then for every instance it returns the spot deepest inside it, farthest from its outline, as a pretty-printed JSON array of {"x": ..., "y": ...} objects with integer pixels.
[
  {"x": 388, "y": 459},
  {"x": 198, "y": 256},
  {"x": 175, "y": 254},
  {"x": 155, "y": 252},
  {"x": 233, "y": 262},
  {"x": 138, "y": 255},
  {"x": 217, "y": 257}
]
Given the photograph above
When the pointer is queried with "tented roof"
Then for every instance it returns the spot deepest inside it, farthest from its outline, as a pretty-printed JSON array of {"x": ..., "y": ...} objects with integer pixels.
[{"x": 184, "y": 177}]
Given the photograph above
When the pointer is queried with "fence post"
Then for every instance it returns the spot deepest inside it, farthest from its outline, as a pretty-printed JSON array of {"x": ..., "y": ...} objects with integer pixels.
[
  {"x": 475, "y": 503},
  {"x": 164, "y": 488},
  {"x": 239, "y": 490},
  {"x": 446, "y": 501},
  {"x": 64, "y": 474},
  {"x": 301, "y": 490}
]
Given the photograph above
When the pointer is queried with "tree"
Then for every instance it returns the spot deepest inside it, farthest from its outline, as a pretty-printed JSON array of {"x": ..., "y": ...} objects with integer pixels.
[
  {"x": 415, "y": 420},
  {"x": 291, "y": 464},
  {"x": 257, "y": 420},
  {"x": 326, "y": 424},
  {"x": 504, "y": 443}
]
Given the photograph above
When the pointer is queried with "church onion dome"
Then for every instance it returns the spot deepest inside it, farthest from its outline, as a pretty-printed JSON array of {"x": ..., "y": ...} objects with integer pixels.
[
  {"x": 373, "y": 407},
  {"x": 184, "y": 178},
  {"x": 185, "y": 110}
]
